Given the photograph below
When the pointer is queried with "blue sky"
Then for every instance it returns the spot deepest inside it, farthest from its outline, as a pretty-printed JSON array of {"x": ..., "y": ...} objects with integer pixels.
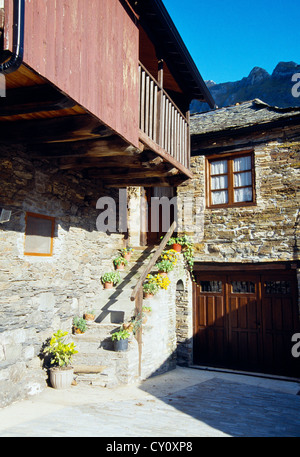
[{"x": 227, "y": 38}]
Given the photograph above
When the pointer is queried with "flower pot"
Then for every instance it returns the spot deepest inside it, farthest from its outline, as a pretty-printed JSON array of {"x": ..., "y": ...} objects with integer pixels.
[
  {"x": 128, "y": 326},
  {"x": 120, "y": 267},
  {"x": 148, "y": 295},
  {"x": 176, "y": 247},
  {"x": 108, "y": 285},
  {"x": 77, "y": 330},
  {"x": 89, "y": 317},
  {"x": 163, "y": 274},
  {"x": 127, "y": 256},
  {"x": 121, "y": 345},
  {"x": 61, "y": 378}
]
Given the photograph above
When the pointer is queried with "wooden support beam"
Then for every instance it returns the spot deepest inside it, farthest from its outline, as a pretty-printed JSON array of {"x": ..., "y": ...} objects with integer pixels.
[
  {"x": 33, "y": 99},
  {"x": 59, "y": 129}
]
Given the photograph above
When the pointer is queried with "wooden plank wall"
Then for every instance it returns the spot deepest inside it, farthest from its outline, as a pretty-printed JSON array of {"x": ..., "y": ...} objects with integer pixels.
[{"x": 88, "y": 49}]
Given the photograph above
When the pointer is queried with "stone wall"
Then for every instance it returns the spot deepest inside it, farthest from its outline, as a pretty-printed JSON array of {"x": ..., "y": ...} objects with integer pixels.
[
  {"x": 39, "y": 295},
  {"x": 265, "y": 232},
  {"x": 167, "y": 330}
]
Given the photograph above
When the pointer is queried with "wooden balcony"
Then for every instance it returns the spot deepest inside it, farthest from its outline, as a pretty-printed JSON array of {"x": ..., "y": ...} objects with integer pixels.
[{"x": 163, "y": 127}]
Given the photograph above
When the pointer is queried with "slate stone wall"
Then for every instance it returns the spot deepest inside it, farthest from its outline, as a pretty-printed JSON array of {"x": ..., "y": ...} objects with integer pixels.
[
  {"x": 39, "y": 295},
  {"x": 265, "y": 232}
]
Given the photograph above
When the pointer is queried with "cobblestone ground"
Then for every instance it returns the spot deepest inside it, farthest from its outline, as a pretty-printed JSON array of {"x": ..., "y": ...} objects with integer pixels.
[{"x": 215, "y": 406}]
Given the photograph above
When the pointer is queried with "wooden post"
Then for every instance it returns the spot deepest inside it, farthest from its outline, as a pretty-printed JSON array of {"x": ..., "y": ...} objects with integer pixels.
[
  {"x": 160, "y": 119},
  {"x": 138, "y": 312}
]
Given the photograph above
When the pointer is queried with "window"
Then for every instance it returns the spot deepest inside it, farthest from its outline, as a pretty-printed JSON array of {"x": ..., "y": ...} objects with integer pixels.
[
  {"x": 39, "y": 234},
  {"x": 231, "y": 180}
]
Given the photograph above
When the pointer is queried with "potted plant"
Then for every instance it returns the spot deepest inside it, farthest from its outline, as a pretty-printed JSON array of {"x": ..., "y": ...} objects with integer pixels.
[
  {"x": 120, "y": 263},
  {"x": 79, "y": 325},
  {"x": 150, "y": 289},
  {"x": 126, "y": 252},
  {"x": 89, "y": 315},
  {"x": 110, "y": 279},
  {"x": 146, "y": 310},
  {"x": 170, "y": 255},
  {"x": 164, "y": 267},
  {"x": 61, "y": 352},
  {"x": 175, "y": 244},
  {"x": 120, "y": 340}
]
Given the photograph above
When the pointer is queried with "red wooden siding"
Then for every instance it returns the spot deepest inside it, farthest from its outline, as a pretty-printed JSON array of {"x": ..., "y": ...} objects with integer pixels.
[{"x": 88, "y": 49}]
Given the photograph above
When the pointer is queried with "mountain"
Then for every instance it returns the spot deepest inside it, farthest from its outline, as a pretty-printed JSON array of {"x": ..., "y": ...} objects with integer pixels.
[{"x": 274, "y": 89}]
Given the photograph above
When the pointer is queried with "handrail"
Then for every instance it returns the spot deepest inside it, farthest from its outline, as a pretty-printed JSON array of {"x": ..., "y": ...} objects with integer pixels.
[
  {"x": 152, "y": 261},
  {"x": 161, "y": 121}
]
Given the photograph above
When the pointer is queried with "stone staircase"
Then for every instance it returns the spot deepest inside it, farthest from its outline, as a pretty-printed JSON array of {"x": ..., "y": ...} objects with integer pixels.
[{"x": 96, "y": 362}]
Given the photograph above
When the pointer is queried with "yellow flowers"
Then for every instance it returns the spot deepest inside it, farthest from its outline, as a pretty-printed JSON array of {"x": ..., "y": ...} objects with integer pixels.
[
  {"x": 170, "y": 255},
  {"x": 162, "y": 281}
]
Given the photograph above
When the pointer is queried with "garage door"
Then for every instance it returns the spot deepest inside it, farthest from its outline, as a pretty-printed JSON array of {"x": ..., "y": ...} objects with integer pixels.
[{"x": 245, "y": 320}]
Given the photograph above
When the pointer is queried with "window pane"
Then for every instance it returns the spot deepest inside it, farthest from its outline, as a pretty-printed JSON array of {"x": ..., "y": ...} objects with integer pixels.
[
  {"x": 211, "y": 286},
  {"x": 242, "y": 287},
  {"x": 219, "y": 167},
  {"x": 219, "y": 198},
  {"x": 219, "y": 182},
  {"x": 243, "y": 195},
  {"x": 38, "y": 235},
  {"x": 242, "y": 163},
  {"x": 243, "y": 179}
]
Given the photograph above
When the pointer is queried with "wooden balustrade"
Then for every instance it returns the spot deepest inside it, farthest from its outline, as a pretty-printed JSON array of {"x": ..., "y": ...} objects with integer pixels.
[{"x": 162, "y": 121}]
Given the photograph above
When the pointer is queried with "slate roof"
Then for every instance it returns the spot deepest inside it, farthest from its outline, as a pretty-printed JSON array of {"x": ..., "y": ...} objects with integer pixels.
[{"x": 246, "y": 114}]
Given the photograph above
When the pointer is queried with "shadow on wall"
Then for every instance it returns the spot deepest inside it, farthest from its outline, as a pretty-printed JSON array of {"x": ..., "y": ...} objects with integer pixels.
[{"x": 38, "y": 186}]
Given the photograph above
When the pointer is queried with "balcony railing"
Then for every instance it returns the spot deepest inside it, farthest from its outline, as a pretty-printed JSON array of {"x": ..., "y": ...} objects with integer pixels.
[{"x": 161, "y": 121}]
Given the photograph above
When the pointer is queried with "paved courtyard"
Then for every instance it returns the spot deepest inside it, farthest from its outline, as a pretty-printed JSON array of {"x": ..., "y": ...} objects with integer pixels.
[{"x": 183, "y": 403}]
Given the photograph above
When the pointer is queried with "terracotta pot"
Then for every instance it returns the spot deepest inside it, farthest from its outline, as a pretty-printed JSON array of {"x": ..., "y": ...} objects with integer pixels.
[
  {"x": 61, "y": 378},
  {"x": 89, "y": 317},
  {"x": 120, "y": 267},
  {"x": 77, "y": 330},
  {"x": 108, "y": 285},
  {"x": 127, "y": 256},
  {"x": 163, "y": 274},
  {"x": 176, "y": 247},
  {"x": 148, "y": 295}
]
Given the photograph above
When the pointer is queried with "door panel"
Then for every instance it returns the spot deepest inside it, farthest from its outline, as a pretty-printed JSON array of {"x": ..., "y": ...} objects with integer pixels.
[{"x": 246, "y": 321}]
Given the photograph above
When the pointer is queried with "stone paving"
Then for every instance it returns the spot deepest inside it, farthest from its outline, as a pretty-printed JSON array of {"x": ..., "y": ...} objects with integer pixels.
[{"x": 183, "y": 403}]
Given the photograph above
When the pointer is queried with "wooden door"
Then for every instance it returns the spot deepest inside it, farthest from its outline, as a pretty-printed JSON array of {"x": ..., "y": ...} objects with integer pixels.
[
  {"x": 246, "y": 321},
  {"x": 159, "y": 219},
  {"x": 210, "y": 319}
]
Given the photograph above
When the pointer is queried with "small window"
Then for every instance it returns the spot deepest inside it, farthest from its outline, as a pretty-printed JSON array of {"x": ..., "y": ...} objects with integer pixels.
[
  {"x": 278, "y": 287},
  {"x": 211, "y": 286},
  {"x": 243, "y": 287},
  {"x": 231, "y": 181},
  {"x": 39, "y": 234}
]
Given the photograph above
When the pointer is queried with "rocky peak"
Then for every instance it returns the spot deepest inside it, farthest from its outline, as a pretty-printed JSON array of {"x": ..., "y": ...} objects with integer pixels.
[
  {"x": 257, "y": 75},
  {"x": 285, "y": 69}
]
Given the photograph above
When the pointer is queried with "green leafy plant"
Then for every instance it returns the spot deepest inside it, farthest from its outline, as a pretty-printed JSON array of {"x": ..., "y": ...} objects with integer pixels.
[
  {"x": 127, "y": 250},
  {"x": 165, "y": 266},
  {"x": 122, "y": 334},
  {"x": 113, "y": 276},
  {"x": 146, "y": 309},
  {"x": 60, "y": 351},
  {"x": 80, "y": 323},
  {"x": 119, "y": 261},
  {"x": 150, "y": 288}
]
